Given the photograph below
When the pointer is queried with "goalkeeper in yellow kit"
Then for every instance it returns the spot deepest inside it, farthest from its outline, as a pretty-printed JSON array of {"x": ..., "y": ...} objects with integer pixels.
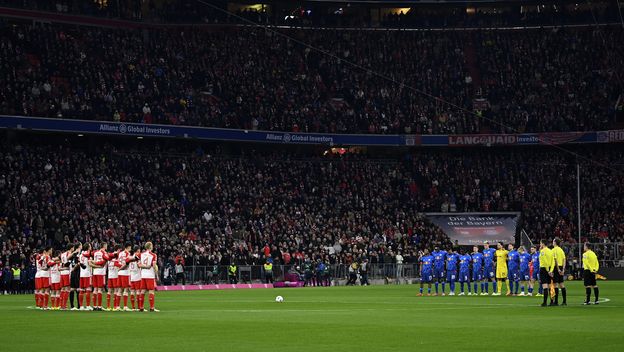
[{"x": 501, "y": 269}]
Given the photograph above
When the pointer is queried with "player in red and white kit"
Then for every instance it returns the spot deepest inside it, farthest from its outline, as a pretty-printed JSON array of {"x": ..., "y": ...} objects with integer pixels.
[
  {"x": 124, "y": 275},
  {"x": 66, "y": 257},
  {"x": 85, "y": 277},
  {"x": 113, "y": 280},
  {"x": 149, "y": 275},
  {"x": 55, "y": 284},
  {"x": 42, "y": 278},
  {"x": 98, "y": 262},
  {"x": 135, "y": 275}
]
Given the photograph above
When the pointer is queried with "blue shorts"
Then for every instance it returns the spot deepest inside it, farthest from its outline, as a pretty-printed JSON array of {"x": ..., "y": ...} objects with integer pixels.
[
  {"x": 451, "y": 276},
  {"x": 488, "y": 272},
  {"x": 513, "y": 275},
  {"x": 464, "y": 276},
  {"x": 426, "y": 277},
  {"x": 438, "y": 274},
  {"x": 524, "y": 276},
  {"x": 477, "y": 275},
  {"x": 535, "y": 274}
]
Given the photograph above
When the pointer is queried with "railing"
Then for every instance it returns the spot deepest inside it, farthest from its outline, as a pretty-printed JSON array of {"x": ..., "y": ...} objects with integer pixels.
[{"x": 197, "y": 274}]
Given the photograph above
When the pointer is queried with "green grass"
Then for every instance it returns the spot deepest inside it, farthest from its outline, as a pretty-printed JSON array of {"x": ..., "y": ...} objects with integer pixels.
[{"x": 374, "y": 318}]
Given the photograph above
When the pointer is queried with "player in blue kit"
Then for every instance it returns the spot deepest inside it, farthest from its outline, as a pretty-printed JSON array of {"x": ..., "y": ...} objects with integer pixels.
[
  {"x": 464, "y": 272},
  {"x": 426, "y": 272},
  {"x": 439, "y": 264},
  {"x": 477, "y": 271},
  {"x": 535, "y": 270},
  {"x": 451, "y": 271},
  {"x": 513, "y": 267},
  {"x": 488, "y": 267},
  {"x": 525, "y": 262}
]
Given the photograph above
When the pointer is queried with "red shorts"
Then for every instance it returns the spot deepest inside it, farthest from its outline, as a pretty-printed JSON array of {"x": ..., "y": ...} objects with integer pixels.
[
  {"x": 65, "y": 280},
  {"x": 123, "y": 281},
  {"x": 85, "y": 282},
  {"x": 55, "y": 286},
  {"x": 113, "y": 283},
  {"x": 148, "y": 284},
  {"x": 42, "y": 282},
  {"x": 135, "y": 285},
  {"x": 98, "y": 281}
]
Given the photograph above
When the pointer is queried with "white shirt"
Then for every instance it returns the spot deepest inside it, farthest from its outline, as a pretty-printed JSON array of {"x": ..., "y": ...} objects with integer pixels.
[
  {"x": 84, "y": 261},
  {"x": 148, "y": 259},
  {"x": 64, "y": 260},
  {"x": 42, "y": 266},
  {"x": 135, "y": 273},
  {"x": 98, "y": 256},
  {"x": 113, "y": 271},
  {"x": 123, "y": 255},
  {"x": 55, "y": 274}
]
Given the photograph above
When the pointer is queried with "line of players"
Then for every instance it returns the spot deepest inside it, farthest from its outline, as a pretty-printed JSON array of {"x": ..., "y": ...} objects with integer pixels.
[
  {"x": 479, "y": 269},
  {"x": 127, "y": 272}
]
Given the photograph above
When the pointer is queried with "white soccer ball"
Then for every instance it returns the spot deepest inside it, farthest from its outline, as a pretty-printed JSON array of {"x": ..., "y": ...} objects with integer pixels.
[{"x": 279, "y": 299}]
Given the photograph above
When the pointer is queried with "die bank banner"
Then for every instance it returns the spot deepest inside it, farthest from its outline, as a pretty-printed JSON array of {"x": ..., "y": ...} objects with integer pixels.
[
  {"x": 476, "y": 228},
  {"x": 329, "y": 139}
]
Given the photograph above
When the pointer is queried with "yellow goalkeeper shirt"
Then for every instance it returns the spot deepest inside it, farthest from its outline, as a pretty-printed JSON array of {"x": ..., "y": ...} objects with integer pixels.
[{"x": 501, "y": 259}]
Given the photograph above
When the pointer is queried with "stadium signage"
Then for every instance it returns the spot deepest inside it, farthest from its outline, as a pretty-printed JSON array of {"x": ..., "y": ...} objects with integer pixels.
[
  {"x": 476, "y": 228},
  {"x": 610, "y": 136},
  {"x": 223, "y": 134},
  {"x": 483, "y": 139}
]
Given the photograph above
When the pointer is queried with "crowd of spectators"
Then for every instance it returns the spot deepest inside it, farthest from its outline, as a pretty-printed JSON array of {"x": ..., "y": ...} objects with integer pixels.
[
  {"x": 531, "y": 80},
  {"x": 212, "y": 207}
]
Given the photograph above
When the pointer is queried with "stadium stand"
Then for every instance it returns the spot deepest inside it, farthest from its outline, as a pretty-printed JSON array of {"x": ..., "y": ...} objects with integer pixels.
[
  {"x": 553, "y": 80},
  {"x": 227, "y": 205}
]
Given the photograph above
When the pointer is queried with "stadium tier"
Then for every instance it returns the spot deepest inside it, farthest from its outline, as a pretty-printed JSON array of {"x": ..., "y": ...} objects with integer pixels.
[
  {"x": 407, "y": 82},
  {"x": 218, "y": 203}
]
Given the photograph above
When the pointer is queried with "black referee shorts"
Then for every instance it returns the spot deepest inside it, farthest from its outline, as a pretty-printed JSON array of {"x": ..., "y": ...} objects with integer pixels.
[
  {"x": 557, "y": 278},
  {"x": 589, "y": 278},
  {"x": 544, "y": 276}
]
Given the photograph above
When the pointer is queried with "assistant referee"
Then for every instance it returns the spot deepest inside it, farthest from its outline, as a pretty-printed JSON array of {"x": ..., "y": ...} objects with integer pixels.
[
  {"x": 547, "y": 266},
  {"x": 559, "y": 273},
  {"x": 590, "y": 268}
]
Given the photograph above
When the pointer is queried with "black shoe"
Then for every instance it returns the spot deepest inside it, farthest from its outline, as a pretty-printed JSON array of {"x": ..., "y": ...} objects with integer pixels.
[
  {"x": 553, "y": 304},
  {"x": 596, "y": 302},
  {"x": 564, "y": 304},
  {"x": 586, "y": 303},
  {"x": 543, "y": 305},
  {"x": 141, "y": 310}
]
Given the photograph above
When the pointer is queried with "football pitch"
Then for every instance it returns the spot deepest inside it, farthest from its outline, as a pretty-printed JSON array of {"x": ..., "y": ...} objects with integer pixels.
[{"x": 373, "y": 318}]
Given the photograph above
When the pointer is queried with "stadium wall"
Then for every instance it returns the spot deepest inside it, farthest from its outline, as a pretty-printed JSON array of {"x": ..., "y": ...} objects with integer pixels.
[{"x": 234, "y": 135}]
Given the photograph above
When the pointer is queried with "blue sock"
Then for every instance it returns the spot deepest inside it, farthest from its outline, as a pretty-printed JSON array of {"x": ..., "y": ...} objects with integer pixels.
[
  {"x": 461, "y": 287},
  {"x": 531, "y": 290},
  {"x": 540, "y": 290},
  {"x": 429, "y": 289},
  {"x": 475, "y": 287},
  {"x": 522, "y": 288},
  {"x": 421, "y": 290},
  {"x": 436, "y": 285},
  {"x": 452, "y": 289},
  {"x": 511, "y": 286},
  {"x": 487, "y": 285},
  {"x": 482, "y": 287},
  {"x": 495, "y": 289},
  {"x": 517, "y": 287},
  {"x": 443, "y": 284}
]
